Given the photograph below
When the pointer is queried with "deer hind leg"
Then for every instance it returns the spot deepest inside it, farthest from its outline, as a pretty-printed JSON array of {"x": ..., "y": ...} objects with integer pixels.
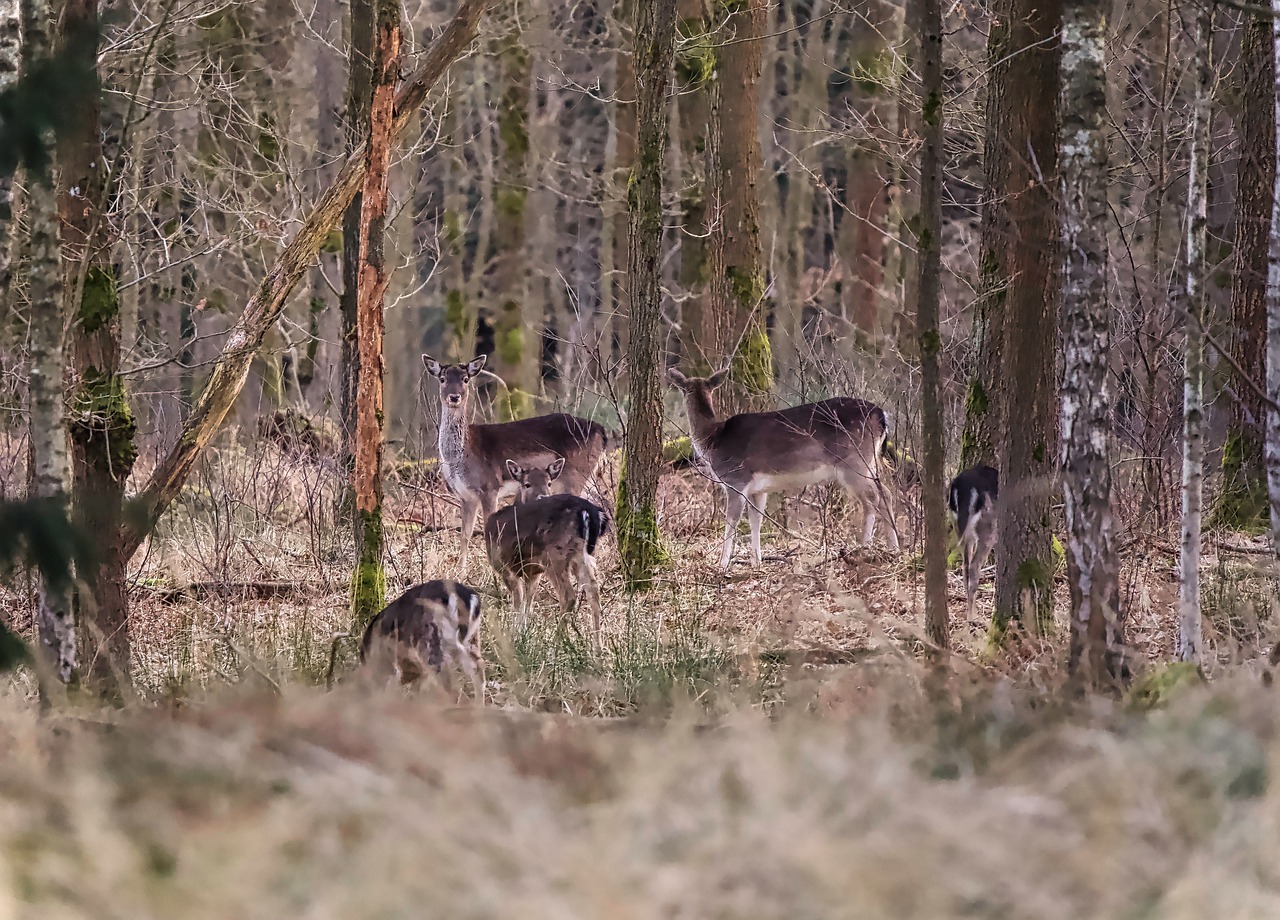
[
  {"x": 734, "y": 503},
  {"x": 982, "y": 542},
  {"x": 755, "y": 516},
  {"x": 886, "y": 508},
  {"x": 466, "y": 658},
  {"x": 590, "y": 582}
]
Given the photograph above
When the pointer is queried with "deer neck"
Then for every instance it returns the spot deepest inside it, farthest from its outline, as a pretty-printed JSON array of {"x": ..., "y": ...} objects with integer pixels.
[
  {"x": 702, "y": 420},
  {"x": 455, "y": 437}
]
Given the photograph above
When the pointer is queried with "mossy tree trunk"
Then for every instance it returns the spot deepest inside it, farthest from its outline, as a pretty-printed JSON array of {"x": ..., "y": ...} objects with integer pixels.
[
  {"x": 622, "y": 142},
  {"x": 517, "y": 329},
  {"x": 459, "y": 305},
  {"x": 101, "y": 425},
  {"x": 695, "y": 68},
  {"x": 1028, "y": 152},
  {"x": 929, "y": 259},
  {"x": 359, "y": 92},
  {"x": 1190, "y": 629},
  {"x": 1242, "y": 503},
  {"x": 739, "y": 288},
  {"x": 638, "y": 539},
  {"x": 369, "y": 581},
  {"x": 50, "y": 468},
  {"x": 1097, "y": 627}
]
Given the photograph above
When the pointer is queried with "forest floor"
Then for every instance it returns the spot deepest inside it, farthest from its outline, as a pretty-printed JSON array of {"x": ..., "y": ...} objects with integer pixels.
[{"x": 759, "y": 744}]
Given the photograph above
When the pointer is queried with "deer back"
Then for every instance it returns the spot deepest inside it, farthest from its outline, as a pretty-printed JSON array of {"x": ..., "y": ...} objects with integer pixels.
[
  {"x": 424, "y": 618},
  {"x": 543, "y": 534},
  {"x": 534, "y": 442}
]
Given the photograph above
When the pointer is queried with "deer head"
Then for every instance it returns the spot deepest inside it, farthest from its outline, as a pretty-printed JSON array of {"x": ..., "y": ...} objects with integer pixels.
[
  {"x": 453, "y": 379},
  {"x": 535, "y": 483}
]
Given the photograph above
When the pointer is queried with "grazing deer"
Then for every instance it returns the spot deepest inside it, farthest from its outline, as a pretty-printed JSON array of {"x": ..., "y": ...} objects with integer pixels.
[
  {"x": 972, "y": 498},
  {"x": 756, "y": 453},
  {"x": 429, "y": 626},
  {"x": 541, "y": 533},
  {"x": 471, "y": 456}
]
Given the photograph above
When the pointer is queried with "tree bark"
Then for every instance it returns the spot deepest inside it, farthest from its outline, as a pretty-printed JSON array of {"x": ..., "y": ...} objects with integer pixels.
[
  {"x": 929, "y": 256},
  {"x": 1242, "y": 501},
  {"x": 638, "y": 539},
  {"x": 50, "y": 466},
  {"x": 369, "y": 581},
  {"x": 739, "y": 292},
  {"x": 10, "y": 59},
  {"x": 695, "y": 75},
  {"x": 1273, "y": 305},
  {"x": 1190, "y": 630},
  {"x": 228, "y": 374},
  {"x": 1025, "y": 238},
  {"x": 102, "y": 425},
  {"x": 1097, "y": 626}
]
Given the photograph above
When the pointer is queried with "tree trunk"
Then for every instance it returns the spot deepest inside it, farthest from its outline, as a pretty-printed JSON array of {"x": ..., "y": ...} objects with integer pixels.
[
  {"x": 1190, "y": 632},
  {"x": 10, "y": 57},
  {"x": 929, "y": 255},
  {"x": 1024, "y": 563},
  {"x": 694, "y": 75},
  {"x": 745, "y": 307},
  {"x": 1097, "y": 627},
  {"x": 638, "y": 539},
  {"x": 1242, "y": 501},
  {"x": 50, "y": 473},
  {"x": 229, "y": 372},
  {"x": 359, "y": 92},
  {"x": 369, "y": 581},
  {"x": 102, "y": 425},
  {"x": 517, "y": 329},
  {"x": 1273, "y": 305},
  {"x": 624, "y": 137}
]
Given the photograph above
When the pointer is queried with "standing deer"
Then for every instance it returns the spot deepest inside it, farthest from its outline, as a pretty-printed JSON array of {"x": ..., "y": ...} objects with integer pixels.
[
  {"x": 756, "y": 453},
  {"x": 472, "y": 456},
  {"x": 541, "y": 533},
  {"x": 429, "y": 626},
  {"x": 972, "y": 498}
]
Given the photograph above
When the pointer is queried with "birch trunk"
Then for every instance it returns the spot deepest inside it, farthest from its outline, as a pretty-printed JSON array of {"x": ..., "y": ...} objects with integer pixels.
[
  {"x": 929, "y": 256},
  {"x": 369, "y": 581},
  {"x": 638, "y": 540},
  {"x": 1096, "y": 656},
  {"x": 1272, "y": 449},
  {"x": 50, "y": 464},
  {"x": 1190, "y": 632}
]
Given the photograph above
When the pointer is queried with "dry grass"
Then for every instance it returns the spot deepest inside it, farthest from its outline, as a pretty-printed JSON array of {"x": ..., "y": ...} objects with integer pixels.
[{"x": 758, "y": 745}]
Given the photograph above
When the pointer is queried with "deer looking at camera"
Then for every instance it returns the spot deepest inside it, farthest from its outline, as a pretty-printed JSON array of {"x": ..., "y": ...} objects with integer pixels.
[
  {"x": 541, "y": 533},
  {"x": 837, "y": 440},
  {"x": 435, "y": 625},
  {"x": 472, "y": 457},
  {"x": 972, "y": 500}
]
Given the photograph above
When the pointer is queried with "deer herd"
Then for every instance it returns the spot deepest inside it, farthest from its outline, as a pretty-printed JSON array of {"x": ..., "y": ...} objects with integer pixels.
[{"x": 548, "y": 461}]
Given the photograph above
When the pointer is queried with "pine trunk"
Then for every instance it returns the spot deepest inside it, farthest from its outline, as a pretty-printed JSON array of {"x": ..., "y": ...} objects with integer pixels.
[
  {"x": 1190, "y": 632},
  {"x": 638, "y": 539},
  {"x": 929, "y": 260},
  {"x": 102, "y": 425},
  {"x": 741, "y": 284},
  {"x": 1027, "y": 236},
  {"x": 1097, "y": 627},
  {"x": 1242, "y": 501},
  {"x": 50, "y": 467},
  {"x": 369, "y": 582}
]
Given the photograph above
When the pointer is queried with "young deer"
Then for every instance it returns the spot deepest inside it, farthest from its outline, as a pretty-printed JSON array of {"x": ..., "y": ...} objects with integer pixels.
[
  {"x": 541, "y": 533},
  {"x": 429, "y": 626},
  {"x": 471, "y": 456},
  {"x": 756, "y": 453},
  {"x": 972, "y": 498}
]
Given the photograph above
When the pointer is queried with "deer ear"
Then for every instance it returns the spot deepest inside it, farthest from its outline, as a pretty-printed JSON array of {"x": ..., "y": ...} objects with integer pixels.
[
  {"x": 474, "y": 367},
  {"x": 556, "y": 468},
  {"x": 513, "y": 470},
  {"x": 676, "y": 377},
  {"x": 717, "y": 378},
  {"x": 432, "y": 365}
]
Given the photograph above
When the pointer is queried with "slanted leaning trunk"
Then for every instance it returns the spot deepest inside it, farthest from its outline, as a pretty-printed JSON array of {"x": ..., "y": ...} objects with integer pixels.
[
  {"x": 1190, "y": 632},
  {"x": 929, "y": 255},
  {"x": 50, "y": 473},
  {"x": 369, "y": 581},
  {"x": 638, "y": 540},
  {"x": 1097, "y": 634}
]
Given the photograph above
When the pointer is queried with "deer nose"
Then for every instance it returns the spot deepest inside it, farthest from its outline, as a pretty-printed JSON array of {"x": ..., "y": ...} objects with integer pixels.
[{"x": 453, "y": 399}]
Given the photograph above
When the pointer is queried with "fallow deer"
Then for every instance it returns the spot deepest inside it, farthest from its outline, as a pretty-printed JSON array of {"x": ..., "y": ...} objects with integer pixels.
[
  {"x": 972, "y": 499},
  {"x": 433, "y": 625},
  {"x": 755, "y": 453},
  {"x": 555, "y": 535},
  {"x": 472, "y": 456}
]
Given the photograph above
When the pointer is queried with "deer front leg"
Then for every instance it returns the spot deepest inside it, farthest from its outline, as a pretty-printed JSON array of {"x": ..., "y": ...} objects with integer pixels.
[
  {"x": 755, "y": 516},
  {"x": 470, "y": 507},
  {"x": 734, "y": 502}
]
